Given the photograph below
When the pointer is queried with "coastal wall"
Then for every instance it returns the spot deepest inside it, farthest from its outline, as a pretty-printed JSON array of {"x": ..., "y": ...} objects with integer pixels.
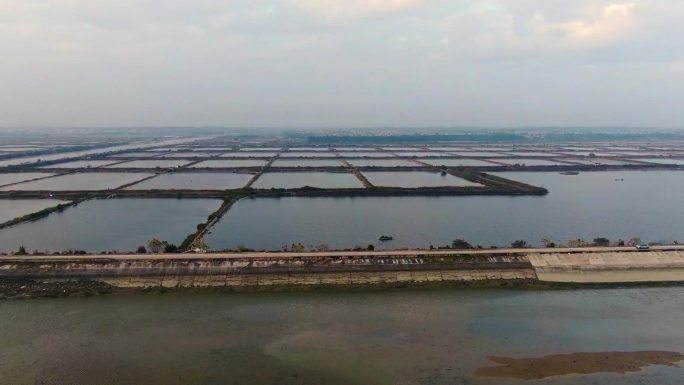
[
  {"x": 246, "y": 272},
  {"x": 399, "y": 268},
  {"x": 606, "y": 267}
]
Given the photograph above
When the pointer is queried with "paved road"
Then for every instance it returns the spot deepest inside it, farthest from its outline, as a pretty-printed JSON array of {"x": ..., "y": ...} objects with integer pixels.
[{"x": 270, "y": 255}]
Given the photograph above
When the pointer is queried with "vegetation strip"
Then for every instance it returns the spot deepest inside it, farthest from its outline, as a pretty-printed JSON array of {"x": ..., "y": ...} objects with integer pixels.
[{"x": 41, "y": 214}]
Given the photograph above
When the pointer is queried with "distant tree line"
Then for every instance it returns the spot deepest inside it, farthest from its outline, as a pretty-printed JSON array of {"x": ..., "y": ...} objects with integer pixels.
[{"x": 486, "y": 137}]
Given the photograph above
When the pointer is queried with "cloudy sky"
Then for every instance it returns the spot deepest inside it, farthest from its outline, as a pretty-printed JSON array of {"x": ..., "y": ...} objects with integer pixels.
[{"x": 341, "y": 62}]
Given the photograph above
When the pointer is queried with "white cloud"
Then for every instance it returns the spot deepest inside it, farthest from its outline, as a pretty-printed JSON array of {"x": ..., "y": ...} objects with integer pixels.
[
  {"x": 336, "y": 62},
  {"x": 350, "y": 9},
  {"x": 598, "y": 26}
]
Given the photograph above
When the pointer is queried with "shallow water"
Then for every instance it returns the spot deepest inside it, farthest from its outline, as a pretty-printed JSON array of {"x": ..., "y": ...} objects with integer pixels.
[
  {"x": 110, "y": 224},
  {"x": 346, "y": 338}
]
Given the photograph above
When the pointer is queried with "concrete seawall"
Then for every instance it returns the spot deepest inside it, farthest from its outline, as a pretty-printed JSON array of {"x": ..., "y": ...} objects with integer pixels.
[
  {"x": 607, "y": 267},
  {"x": 329, "y": 269},
  {"x": 275, "y": 271}
]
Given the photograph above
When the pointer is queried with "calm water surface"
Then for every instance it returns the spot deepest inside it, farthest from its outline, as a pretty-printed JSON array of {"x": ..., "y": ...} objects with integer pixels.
[
  {"x": 361, "y": 154},
  {"x": 414, "y": 179},
  {"x": 346, "y": 338},
  {"x": 195, "y": 181},
  {"x": 530, "y": 162},
  {"x": 242, "y": 154},
  {"x": 81, "y": 164},
  {"x": 290, "y": 154},
  {"x": 64, "y": 155},
  {"x": 301, "y": 179},
  {"x": 230, "y": 163},
  {"x": 458, "y": 162},
  {"x": 15, "y": 177},
  {"x": 589, "y": 205},
  {"x": 110, "y": 224},
  {"x": 382, "y": 162},
  {"x": 81, "y": 181},
  {"x": 307, "y": 163},
  {"x": 150, "y": 163},
  {"x": 13, "y": 208}
]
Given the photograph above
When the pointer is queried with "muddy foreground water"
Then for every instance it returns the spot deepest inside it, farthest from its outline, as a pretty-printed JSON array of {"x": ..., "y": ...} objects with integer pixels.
[{"x": 399, "y": 336}]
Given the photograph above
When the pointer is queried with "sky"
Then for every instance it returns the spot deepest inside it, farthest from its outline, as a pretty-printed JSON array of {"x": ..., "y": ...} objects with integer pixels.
[{"x": 341, "y": 63}]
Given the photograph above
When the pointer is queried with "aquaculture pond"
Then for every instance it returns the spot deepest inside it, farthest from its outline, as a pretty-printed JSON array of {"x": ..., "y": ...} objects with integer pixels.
[
  {"x": 419, "y": 154},
  {"x": 260, "y": 149},
  {"x": 243, "y": 154},
  {"x": 82, "y": 164},
  {"x": 301, "y": 179},
  {"x": 194, "y": 181},
  {"x": 80, "y": 181},
  {"x": 110, "y": 224},
  {"x": 530, "y": 162},
  {"x": 139, "y": 154},
  {"x": 307, "y": 163},
  {"x": 459, "y": 162},
  {"x": 589, "y": 205},
  {"x": 383, "y": 162},
  {"x": 362, "y": 154},
  {"x": 663, "y": 160},
  {"x": 414, "y": 179},
  {"x": 312, "y": 154},
  {"x": 188, "y": 154},
  {"x": 21, "y": 176},
  {"x": 151, "y": 164},
  {"x": 230, "y": 163},
  {"x": 476, "y": 153},
  {"x": 14, "y": 208}
]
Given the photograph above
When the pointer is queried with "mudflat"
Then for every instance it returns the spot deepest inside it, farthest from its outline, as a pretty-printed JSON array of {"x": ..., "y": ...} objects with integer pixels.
[{"x": 577, "y": 363}]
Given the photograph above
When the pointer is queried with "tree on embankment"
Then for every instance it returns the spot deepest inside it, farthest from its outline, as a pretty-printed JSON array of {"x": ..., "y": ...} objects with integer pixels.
[
  {"x": 460, "y": 244},
  {"x": 519, "y": 244}
]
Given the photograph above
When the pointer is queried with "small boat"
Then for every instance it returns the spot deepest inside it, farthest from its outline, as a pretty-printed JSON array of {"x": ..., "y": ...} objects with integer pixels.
[
  {"x": 385, "y": 238},
  {"x": 569, "y": 173},
  {"x": 444, "y": 173}
]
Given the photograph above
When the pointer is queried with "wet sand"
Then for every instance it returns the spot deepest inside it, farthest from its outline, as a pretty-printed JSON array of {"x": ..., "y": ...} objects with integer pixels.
[{"x": 577, "y": 363}]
